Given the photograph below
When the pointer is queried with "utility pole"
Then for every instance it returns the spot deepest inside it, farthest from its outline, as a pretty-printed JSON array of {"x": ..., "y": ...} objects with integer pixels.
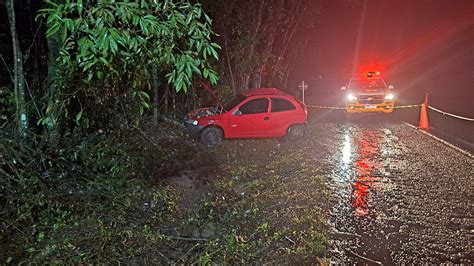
[{"x": 303, "y": 87}]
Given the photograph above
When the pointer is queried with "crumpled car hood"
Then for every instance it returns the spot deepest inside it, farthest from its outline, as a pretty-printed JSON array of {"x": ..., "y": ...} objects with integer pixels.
[{"x": 202, "y": 112}]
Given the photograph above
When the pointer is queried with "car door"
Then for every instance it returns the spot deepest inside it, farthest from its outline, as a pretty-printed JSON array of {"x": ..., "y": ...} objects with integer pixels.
[
  {"x": 284, "y": 113},
  {"x": 251, "y": 119}
]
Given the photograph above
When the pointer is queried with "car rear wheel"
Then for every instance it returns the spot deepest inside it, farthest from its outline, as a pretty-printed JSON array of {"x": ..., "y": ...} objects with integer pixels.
[
  {"x": 295, "y": 132},
  {"x": 211, "y": 136}
]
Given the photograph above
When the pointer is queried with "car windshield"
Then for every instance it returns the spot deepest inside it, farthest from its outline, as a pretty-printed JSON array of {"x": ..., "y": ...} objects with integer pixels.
[
  {"x": 234, "y": 101},
  {"x": 363, "y": 84}
]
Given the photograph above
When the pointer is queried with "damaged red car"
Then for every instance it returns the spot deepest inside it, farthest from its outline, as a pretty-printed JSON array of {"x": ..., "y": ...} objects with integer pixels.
[{"x": 256, "y": 113}]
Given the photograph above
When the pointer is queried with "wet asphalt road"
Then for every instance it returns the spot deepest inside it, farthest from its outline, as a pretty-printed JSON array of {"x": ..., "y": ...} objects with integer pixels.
[{"x": 398, "y": 196}]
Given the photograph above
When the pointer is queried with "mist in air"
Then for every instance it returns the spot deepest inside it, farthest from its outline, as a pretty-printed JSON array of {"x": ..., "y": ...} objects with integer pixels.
[{"x": 419, "y": 46}]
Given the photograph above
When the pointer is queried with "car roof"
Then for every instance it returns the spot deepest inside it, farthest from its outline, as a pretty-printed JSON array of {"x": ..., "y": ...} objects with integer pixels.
[{"x": 264, "y": 91}]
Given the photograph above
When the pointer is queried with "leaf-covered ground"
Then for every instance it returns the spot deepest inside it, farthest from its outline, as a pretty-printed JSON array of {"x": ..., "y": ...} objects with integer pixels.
[
  {"x": 249, "y": 201},
  {"x": 243, "y": 201}
]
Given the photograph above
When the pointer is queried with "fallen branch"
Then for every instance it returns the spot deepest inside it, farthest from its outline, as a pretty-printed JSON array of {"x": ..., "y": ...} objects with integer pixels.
[
  {"x": 337, "y": 232},
  {"x": 364, "y": 258},
  {"x": 164, "y": 257},
  {"x": 6, "y": 122},
  {"x": 185, "y": 238},
  {"x": 186, "y": 254},
  {"x": 289, "y": 239}
]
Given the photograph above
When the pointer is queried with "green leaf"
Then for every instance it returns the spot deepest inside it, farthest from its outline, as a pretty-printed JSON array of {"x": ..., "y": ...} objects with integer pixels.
[
  {"x": 113, "y": 45},
  {"x": 213, "y": 78},
  {"x": 188, "y": 69},
  {"x": 78, "y": 117},
  {"x": 214, "y": 53},
  {"x": 63, "y": 34},
  {"x": 135, "y": 20},
  {"x": 53, "y": 29},
  {"x": 215, "y": 45},
  {"x": 107, "y": 63},
  {"x": 195, "y": 68},
  {"x": 79, "y": 6},
  {"x": 144, "y": 95}
]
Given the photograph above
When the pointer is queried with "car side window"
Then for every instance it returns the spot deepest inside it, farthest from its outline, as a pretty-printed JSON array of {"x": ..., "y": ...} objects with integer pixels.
[
  {"x": 280, "y": 105},
  {"x": 255, "y": 106}
]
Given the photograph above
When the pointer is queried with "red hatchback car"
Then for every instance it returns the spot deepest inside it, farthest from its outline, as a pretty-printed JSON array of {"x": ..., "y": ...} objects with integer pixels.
[{"x": 256, "y": 113}]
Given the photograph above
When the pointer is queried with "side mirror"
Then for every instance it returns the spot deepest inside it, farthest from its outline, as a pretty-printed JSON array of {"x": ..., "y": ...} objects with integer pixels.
[
  {"x": 237, "y": 112},
  {"x": 343, "y": 88},
  {"x": 390, "y": 87}
]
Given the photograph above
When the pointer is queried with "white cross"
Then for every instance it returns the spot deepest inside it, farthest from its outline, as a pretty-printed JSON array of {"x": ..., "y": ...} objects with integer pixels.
[{"x": 303, "y": 87}]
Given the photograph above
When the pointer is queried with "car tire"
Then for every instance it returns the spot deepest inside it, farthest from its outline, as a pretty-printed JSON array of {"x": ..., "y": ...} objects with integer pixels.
[
  {"x": 211, "y": 136},
  {"x": 295, "y": 132}
]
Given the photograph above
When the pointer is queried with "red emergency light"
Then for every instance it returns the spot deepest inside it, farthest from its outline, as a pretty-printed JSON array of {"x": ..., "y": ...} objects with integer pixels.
[{"x": 373, "y": 73}]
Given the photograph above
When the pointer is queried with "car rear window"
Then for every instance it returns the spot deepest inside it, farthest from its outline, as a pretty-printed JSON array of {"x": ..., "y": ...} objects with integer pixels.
[
  {"x": 255, "y": 106},
  {"x": 281, "y": 105}
]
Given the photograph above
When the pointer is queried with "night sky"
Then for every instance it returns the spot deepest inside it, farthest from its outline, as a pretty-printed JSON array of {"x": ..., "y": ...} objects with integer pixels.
[{"x": 420, "y": 47}]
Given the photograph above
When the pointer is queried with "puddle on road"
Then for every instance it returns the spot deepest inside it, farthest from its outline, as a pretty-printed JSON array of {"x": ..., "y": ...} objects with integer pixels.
[{"x": 358, "y": 175}]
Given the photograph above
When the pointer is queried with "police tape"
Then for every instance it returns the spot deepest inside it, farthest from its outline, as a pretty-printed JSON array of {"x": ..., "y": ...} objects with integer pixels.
[
  {"x": 344, "y": 108},
  {"x": 449, "y": 114},
  {"x": 325, "y": 107},
  {"x": 406, "y": 106}
]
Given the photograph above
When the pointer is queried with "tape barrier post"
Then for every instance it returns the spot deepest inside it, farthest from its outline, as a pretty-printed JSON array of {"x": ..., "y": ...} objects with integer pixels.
[{"x": 424, "y": 115}]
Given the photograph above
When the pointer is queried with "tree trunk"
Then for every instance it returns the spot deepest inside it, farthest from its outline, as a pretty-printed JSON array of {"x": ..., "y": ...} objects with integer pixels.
[
  {"x": 19, "y": 77},
  {"x": 165, "y": 96},
  {"x": 226, "y": 47},
  {"x": 155, "y": 85},
  {"x": 52, "y": 86}
]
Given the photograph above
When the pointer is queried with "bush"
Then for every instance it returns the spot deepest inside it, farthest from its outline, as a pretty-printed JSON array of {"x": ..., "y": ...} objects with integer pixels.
[{"x": 45, "y": 181}]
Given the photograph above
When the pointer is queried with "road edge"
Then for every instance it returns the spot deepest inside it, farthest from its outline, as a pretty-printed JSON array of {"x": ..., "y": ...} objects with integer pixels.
[{"x": 468, "y": 154}]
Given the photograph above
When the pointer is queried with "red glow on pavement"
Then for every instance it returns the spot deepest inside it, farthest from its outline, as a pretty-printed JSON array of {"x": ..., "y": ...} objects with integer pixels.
[
  {"x": 359, "y": 195},
  {"x": 368, "y": 147}
]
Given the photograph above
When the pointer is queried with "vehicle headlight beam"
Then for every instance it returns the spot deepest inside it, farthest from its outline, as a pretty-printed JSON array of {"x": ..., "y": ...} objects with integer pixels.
[
  {"x": 351, "y": 97},
  {"x": 389, "y": 96}
]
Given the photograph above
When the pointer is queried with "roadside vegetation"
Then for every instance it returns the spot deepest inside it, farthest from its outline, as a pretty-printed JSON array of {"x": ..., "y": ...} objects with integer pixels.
[{"x": 95, "y": 166}]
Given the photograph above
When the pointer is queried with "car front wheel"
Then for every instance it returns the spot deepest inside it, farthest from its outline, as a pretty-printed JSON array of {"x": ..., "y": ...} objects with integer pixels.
[
  {"x": 211, "y": 136},
  {"x": 295, "y": 132}
]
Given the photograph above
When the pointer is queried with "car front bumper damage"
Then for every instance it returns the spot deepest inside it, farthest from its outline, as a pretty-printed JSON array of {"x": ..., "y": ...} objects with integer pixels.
[{"x": 195, "y": 130}]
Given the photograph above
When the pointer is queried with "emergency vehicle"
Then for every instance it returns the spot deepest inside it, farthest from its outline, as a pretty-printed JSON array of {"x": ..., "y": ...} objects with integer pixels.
[{"x": 368, "y": 93}]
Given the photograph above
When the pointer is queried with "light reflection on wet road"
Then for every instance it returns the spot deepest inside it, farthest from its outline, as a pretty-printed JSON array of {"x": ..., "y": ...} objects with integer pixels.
[
  {"x": 358, "y": 162},
  {"x": 379, "y": 175}
]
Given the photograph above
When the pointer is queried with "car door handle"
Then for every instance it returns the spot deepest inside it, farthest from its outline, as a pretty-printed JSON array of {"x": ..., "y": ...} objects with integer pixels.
[{"x": 266, "y": 118}]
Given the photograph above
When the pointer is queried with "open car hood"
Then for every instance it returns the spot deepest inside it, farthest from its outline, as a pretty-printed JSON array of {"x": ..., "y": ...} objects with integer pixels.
[{"x": 213, "y": 94}]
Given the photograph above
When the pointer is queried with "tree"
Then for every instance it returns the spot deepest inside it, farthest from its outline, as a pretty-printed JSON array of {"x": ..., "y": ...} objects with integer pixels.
[
  {"x": 18, "y": 75},
  {"x": 261, "y": 38},
  {"x": 112, "y": 47}
]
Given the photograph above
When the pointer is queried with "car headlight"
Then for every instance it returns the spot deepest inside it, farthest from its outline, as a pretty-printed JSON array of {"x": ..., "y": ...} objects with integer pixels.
[
  {"x": 192, "y": 122},
  {"x": 389, "y": 96},
  {"x": 351, "y": 97}
]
